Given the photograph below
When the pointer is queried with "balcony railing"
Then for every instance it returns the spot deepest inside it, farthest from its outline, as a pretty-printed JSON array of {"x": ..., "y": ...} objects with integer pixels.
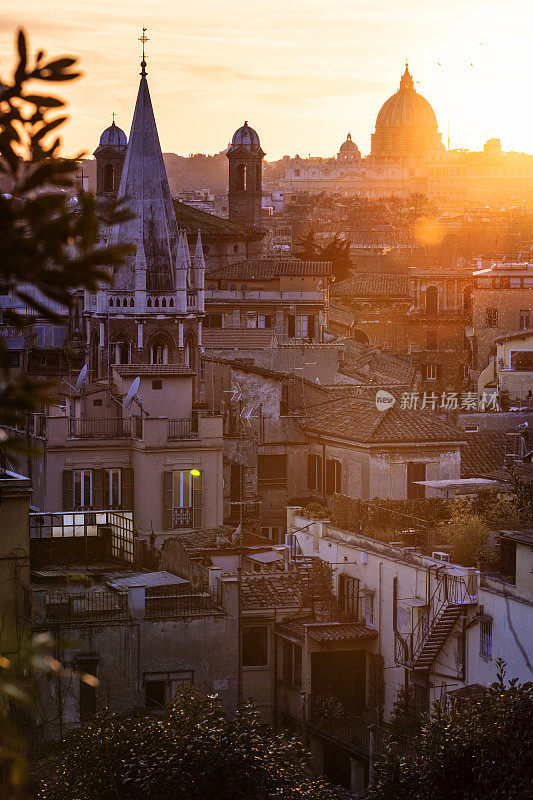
[
  {"x": 115, "y": 428},
  {"x": 186, "y": 428},
  {"x": 172, "y": 601},
  {"x": 85, "y": 606}
]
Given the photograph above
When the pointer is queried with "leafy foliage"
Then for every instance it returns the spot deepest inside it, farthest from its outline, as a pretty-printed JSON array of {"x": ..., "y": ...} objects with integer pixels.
[
  {"x": 336, "y": 250},
  {"x": 193, "y": 752},
  {"x": 473, "y": 750},
  {"x": 467, "y": 534},
  {"x": 50, "y": 229}
]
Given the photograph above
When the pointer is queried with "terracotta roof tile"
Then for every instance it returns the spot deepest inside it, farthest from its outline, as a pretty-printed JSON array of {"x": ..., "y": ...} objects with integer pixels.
[
  {"x": 372, "y": 285},
  {"x": 238, "y": 338},
  {"x": 268, "y": 268},
  {"x": 326, "y": 631},
  {"x": 131, "y": 370},
  {"x": 271, "y": 590},
  {"x": 360, "y": 421}
]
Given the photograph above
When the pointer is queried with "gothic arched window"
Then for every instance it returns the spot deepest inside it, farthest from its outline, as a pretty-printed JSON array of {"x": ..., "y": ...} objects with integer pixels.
[
  {"x": 159, "y": 351},
  {"x": 120, "y": 351}
]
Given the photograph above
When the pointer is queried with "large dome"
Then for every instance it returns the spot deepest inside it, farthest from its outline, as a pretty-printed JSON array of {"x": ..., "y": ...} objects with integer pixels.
[
  {"x": 246, "y": 137},
  {"x": 113, "y": 137},
  {"x": 406, "y": 124}
]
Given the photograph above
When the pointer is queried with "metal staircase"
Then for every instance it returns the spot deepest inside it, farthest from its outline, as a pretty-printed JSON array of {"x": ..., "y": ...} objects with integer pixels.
[
  {"x": 439, "y": 632},
  {"x": 452, "y": 595}
]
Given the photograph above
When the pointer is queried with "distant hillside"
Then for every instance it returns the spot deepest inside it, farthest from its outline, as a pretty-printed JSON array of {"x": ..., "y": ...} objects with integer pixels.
[{"x": 198, "y": 171}]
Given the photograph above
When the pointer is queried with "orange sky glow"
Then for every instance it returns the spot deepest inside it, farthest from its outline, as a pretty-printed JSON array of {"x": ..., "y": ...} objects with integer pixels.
[{"x": 302, "y": 73}]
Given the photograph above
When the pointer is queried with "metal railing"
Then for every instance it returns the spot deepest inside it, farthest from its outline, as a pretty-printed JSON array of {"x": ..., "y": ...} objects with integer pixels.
[
  {"x": 115, "y": 428},
  {"x": 450, "y": 590},
  {"x": 173, "y": 601},
  {"x": 85, "y": 606},
  {"x": 182, "y": 517},
  {"x": 356, "y": 732},
  {"x": 186, "y": 428}
]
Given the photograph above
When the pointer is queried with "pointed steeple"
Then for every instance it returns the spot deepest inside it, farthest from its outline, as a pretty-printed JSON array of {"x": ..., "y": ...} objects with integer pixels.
[
  {"x": 199, "y": 271},
  {"x": 145, "y": 185}
]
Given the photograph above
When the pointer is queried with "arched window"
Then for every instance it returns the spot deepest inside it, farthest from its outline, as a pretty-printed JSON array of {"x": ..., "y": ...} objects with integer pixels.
[
  {"x": 132, "y": 302},
  {"x": 124, "y": 303},
  {"x": 171, "y": 304},
  {"x": 189, "y": 352},
  {"x": 156, "y": 302},
  {"x": 109, "y": 178},
  {"x": 241, "y": 177},
  {"x": 149, "y": 302},
  {"x": 120, "y": 351},
  {"x": 111, "y": 302},
  {"x": 164, "y": 302},
  {"x": 432, "y": 301},
  {"x": 159, "y": 351}
]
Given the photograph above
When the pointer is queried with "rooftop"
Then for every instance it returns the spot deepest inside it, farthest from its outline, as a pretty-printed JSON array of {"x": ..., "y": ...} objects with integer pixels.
[
  {"x": 272, "y": 590},
  {"x": 360, "y": 421},
  {"x": 327, "y": 631},
  {"x": 132, "y": 370},
  {"x": 146, "y": 580},
  {"x": 238, "y": 338},
  {"x": 372, "y": 285},
  {"x": 269, "y": 268},
  {"x": 212, "y": 227}
]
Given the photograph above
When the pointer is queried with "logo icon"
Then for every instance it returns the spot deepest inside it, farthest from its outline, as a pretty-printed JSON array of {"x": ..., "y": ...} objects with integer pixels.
[{"x": 384, "y": 400}]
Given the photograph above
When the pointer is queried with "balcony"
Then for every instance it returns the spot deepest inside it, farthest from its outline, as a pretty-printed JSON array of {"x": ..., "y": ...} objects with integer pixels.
[
  {"x": 85, "y": 606},
  {"x": 115, "y": 428},
  {"x": 186, "y": 428}
]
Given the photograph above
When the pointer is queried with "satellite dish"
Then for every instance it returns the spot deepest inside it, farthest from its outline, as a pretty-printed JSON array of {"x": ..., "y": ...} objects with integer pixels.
[
  {"x": 82, "y": 378},
  {"x": 132, "y": 391}
]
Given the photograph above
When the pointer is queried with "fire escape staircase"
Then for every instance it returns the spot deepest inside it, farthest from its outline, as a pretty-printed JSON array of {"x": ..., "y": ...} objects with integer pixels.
[
  {"x": 438, "y": 633},
  {"x": 452, "y": 595}
]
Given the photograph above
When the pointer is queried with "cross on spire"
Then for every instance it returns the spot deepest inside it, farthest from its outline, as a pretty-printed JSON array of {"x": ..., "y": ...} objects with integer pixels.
[
  {"x": 113, "y": 115},
  {"x": 144, "y": 38}
]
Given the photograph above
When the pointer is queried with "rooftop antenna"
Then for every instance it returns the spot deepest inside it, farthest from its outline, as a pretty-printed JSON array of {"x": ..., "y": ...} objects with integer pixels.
[{"x": 132, "y": 397}]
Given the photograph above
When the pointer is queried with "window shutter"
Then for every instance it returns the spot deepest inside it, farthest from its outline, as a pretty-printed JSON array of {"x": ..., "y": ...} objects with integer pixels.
[
  {"x": 311, "y": 467},
  {"x": 291, "y": 326},
  {"x": 167, "y": 500},
  {"x": 319, "y": 472},
  {"x": 197, "y": 501},
  {"x": 68, "y": 490},
  {"x": 127, "y": 489},
  {"x": 330, "y": 476},
  {"x": 98, "y": 488},
  {"x": 311, "y": 326},
  {"x": 338, "y": 477}
]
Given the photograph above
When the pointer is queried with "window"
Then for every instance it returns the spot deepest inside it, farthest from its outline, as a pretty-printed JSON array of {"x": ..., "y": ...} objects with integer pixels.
[
  {"x": 272, "y": 470},
  {"x": 83, "y": 488},
  {"x": 333, "y": 476},
  {"x": 369, "y": 610},
  {"x": 120, "y": 352},
  {"x": 159, "y": 352},
  {"x": 491, "y": 317},
  {"x": 522, "y": 360},
  {"x": 109, "y": 178},
  {"x": 314, "y": 473},
  {"x": 14, "y": 359},
  {"x": 432, "y": 300},
  {"x": 112, "y": 488},
  {"x": 155, "y": 693},
  {"x": 213, "y": 321},
  {"x": 88, "y": 668},
  {"x": 301, "y": 330},
  {"x": 431, "y": 372},
  {"x": 255, "y": 646},
  {"x": 263, "y": 321},
  {"x": 291, "y": 666},
  {"x": 349, "y": 595},
  {"x": 273, "y": 532},
  {"x": 485, "y": 638},
  {"x": 416, "y": 471},
  {"x": 157, "y": 384},
  {"x": 431, "y": 340},
  {"x": 523, "y": 323},
  {"x": 160, "y": 688},
  {"x": 183, "y": 499}
]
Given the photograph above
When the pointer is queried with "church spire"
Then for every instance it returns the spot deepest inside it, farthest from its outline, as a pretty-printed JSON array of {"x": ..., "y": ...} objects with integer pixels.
[{"x": 144, "y": 183}]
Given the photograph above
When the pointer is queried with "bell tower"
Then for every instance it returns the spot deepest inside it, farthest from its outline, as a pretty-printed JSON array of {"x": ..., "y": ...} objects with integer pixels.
[
  {"x": 109, "y": 157},
  {"x": 245, "y": 194}
]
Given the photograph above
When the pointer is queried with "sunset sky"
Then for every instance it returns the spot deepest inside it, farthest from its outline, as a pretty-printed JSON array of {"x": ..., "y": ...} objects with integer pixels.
[{"x": 303, "y": 73}]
